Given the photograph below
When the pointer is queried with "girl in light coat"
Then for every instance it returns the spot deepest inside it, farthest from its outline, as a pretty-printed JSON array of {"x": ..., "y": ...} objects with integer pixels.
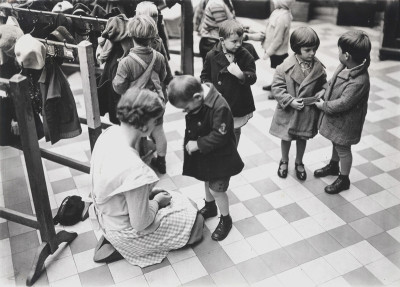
[{"x": 298, "y": 83}]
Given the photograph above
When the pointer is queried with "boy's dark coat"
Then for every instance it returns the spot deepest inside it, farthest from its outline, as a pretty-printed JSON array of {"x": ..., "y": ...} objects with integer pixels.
[
  {"x": 212, "y": 128},
  {"x": 237, "y": 94}
]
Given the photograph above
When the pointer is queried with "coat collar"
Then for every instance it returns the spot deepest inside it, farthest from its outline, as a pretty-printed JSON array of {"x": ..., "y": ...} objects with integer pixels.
[
  {"x": 354, "y": 72},
  {"x": 211, "y": 96},
  {"x": 220, "y": 56},
  {"x": 297, "y": 74}
]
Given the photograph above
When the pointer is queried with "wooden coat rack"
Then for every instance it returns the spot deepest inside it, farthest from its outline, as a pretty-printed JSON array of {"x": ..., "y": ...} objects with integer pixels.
[{"x": 16, "y": 87}]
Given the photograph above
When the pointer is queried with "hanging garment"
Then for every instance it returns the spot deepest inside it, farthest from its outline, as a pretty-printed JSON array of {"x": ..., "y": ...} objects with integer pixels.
[{"x": 60, "y": 117}]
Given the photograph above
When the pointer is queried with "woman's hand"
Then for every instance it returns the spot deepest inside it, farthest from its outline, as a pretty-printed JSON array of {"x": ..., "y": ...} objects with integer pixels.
[
  {"x": 297, "y": 104},
  {"x": 163, "y": 199},
  {"x": 155, "y": 191}
]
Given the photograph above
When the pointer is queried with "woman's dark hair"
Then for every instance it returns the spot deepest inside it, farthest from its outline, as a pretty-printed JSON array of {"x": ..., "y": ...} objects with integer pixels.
[
  {"x": 357, "y": 44},
  {"x": 303, "y": 37},
  {"x": 136, "y": 107}
]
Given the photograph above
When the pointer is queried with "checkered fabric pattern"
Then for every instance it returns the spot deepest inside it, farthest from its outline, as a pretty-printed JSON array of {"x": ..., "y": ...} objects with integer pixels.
[{"x": 177, "y": 220}]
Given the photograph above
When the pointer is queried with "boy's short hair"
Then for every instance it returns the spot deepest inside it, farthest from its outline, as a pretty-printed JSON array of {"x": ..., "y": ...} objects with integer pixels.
[
  {"x": 303, "y": 37},
  {"x": 142, "y": 29},
  {"x": 147, "y": 8},
  {"x": 230, "y": 27},
  {"x": 182, "y": 89},
  {"x": 357, "y": 44}
]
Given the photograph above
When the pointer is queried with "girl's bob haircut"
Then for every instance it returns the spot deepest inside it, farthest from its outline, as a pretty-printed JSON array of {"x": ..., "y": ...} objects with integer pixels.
[{"x": 303, "y": 37}]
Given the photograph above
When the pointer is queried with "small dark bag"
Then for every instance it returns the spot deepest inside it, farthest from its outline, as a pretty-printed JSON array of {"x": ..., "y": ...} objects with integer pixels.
[{"x": 70, "y": 211}]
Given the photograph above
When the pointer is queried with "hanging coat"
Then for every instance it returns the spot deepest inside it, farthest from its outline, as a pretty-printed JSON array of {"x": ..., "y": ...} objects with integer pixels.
[{"x": 60, "y": 117}]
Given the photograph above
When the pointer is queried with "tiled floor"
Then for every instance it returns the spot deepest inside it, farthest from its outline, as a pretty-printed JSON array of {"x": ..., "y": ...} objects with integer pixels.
[{"x": 285, "y": 233}]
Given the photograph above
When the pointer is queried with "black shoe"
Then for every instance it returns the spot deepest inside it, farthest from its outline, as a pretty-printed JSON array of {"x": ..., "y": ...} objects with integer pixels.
[
  {"x": 340, "y": 184},
  {"x": 283, "y": 172},
  {"x": 332, "y": 168},
  {"x": 209, "y": 209},
  {"x": 104, "y": 252},
  {"x": 159, "y": 164},
  {"x": 302, "y": 175},
  {"x": 223, "y": 228},
  {"x": 267, "y": 88}
]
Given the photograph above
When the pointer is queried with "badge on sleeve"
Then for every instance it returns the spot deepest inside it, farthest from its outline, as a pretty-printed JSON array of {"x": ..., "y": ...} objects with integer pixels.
[{"x": 222, "y": 129}]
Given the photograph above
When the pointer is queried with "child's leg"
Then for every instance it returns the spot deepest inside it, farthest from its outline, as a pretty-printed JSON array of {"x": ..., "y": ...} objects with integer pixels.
[
  {"x": 300, "y": 149},
  {"x": 285, "y": 148},
  {"x": 209, "y": 196},
  {"x": 332, "y": 168},
  {"x": 237, "y": 132},
  {"x": 346, "y": 159},
  {"x": 161, "y": 141},
  {"x": 158, "y": 135},
  {"x": 218, "y": 190}
]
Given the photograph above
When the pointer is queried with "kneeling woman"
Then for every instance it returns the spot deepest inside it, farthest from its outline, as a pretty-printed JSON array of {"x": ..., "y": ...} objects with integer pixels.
[{"x": 143, "y": 224}]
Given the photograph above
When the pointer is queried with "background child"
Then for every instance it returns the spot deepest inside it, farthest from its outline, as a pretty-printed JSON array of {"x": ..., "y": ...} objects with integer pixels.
[
  {"x": 276, "y": 39},
  {"x": 144, "y": 68},
  {"x": 210, "y": 153},
  {"x": 232, "y": 70},
  {"x": 345, "y": 106},
  {"x": 298, "y": 83}
]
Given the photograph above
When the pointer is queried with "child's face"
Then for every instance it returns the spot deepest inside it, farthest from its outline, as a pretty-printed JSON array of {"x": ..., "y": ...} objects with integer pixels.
[
  {"x": 342, "y": 56},
  {"x": 191, "y": 106},
  {"x": 232, "y": 43},
  {"x": 307, "y": 53}
]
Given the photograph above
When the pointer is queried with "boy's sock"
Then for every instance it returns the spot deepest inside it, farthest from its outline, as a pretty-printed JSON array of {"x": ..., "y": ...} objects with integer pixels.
[{"x": 223, "y": 228}]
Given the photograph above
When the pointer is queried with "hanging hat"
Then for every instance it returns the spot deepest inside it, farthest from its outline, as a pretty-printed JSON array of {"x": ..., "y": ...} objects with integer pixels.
[
  {"x": 63, "y": 7},
  {"x": 81, "y": 10},
  {"x": 30, "y": 53},
  {"x": 9, "y": 34},
  {"x": 60, "y": 34}
]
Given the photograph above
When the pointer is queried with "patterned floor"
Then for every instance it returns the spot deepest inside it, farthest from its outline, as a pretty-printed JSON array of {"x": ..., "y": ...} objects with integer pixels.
[{"x": 285, "y": 233}]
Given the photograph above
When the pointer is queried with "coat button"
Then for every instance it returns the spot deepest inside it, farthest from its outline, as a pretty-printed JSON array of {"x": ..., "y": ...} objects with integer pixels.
[
  {"x": 189, "y": 131},
  {"x": 219, "y": 83},
  {"x": 199, "y": 124}
]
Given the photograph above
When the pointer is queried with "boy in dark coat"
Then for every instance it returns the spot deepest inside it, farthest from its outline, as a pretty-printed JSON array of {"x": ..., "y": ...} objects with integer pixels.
[
  {"x": 210, "y": 152},
  {"x": 232, "y": 70},
  {"x": 345, "y": 106}
]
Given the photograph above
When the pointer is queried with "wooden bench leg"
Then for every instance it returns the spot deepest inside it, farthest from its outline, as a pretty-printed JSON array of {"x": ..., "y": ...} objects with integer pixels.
[{"x": 43, "y": 252}]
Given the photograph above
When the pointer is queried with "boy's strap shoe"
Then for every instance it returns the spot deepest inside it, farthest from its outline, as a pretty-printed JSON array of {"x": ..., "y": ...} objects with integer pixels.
[
  {"x": 340, "y": 184},
  {"x": 223, "y": 228},
  {"x": 159, "y": 164},
  {"x": 332, "y": 168},
  {"x": 209, "y": 209}
]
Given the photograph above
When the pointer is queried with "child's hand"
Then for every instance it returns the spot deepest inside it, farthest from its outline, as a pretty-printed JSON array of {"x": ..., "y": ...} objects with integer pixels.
[
  {"x": 191, "y": 146},
  {"x": 155, "y": 191},
  {"x": 320, "y": 94},
  {"x": 163, "y": 199},
  {"x": 297, "y": 104},
  {"x": 234, "y": 69},
  {"x": 319, "y": 104}
]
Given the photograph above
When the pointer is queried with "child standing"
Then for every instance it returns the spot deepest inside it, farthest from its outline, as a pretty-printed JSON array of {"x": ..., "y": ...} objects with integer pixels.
[
  {"x": 232, "y": 70},
  {"x": 144, "y": 68},
  {"x": 298, "y": 83},
  {"x": 345, "y": 106},
  {"x": 210, "y": 153},
  {"x": 276, "y": 39}
]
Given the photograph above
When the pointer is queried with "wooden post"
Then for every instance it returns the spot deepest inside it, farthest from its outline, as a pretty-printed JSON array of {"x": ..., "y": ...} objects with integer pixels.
[
  {"x": 187, "y": 66},
  {"x": 390, "y": 46},
  {"x": 33, "y": 160},
  {"x": 89, "y": 86}
]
